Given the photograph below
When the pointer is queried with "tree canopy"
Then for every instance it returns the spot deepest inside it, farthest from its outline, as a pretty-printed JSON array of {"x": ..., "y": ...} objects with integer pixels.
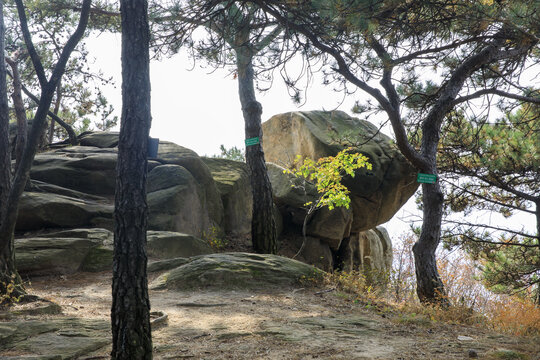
[{"x": 495, "y": 167}]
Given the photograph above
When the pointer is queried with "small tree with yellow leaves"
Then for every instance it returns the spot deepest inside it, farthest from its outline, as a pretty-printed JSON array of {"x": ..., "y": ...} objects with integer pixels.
[{"x": 326, "y": 175}]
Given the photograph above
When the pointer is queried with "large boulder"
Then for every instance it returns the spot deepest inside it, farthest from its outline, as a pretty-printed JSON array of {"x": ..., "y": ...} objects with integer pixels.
[
  {"x": 43, "y": 187},
  {"x": 65, "y": 252},
  {"x": 46, "y": 210},
  {"x": 376, "y": 194},
  {"x": 291, "y": 193},
  {"x": 54, "y": 338},
  {"x": 68, "y": 251},
  {"x": 105, "y": 139},
  {"x": 232, "y": 180},
  {"x": 84, "y": 170},
  {"x": 169, "y": 245},
  {"x": 236, "y": 270},
  {"x": 331, "y": 226},
  {"x": 73, "y": 186},
  {"x": 316, "y": 252},
  {"x": 369, "y": 252},
  {"x": 170, "y": 153},
  {"x": 176, "y": 201},
  {"x": 287, "y": 189},
  {"x": 45, "y": 256}
]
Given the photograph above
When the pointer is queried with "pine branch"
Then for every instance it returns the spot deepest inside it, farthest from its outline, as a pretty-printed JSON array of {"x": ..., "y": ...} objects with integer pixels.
[
  {"x": 495, "y": 91},
  {"x": 497, "y": 228}
]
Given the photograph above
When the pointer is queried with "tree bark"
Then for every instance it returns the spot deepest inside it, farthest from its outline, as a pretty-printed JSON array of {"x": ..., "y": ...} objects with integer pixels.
[
  {"x": 8, "y": 272},
  {"x": 263, "y": 227},
  {"x": 5, "y": 149},
  {"x": 20, "y": 112},
  {"x": 429, "y": 287},
  {"x": 537, "y": 213},
  {"x": 130, "y": 313}
]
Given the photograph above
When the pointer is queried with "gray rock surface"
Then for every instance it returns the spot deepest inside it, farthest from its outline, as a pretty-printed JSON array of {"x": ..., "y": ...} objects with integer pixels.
[
  {"x": 65, "y": 252},
  {"x": 370, "y": 252},
  {"x": 167, "y": 245},
  {"x": 289, "y": 190},
  {"x": 44, "y": 256},
  {"x": 108, "y": 139},
  {"x": 69, "y": 251},
  {"x": 72, "y": 188},
  {"x": 317, "y": 252},
  {"x": 86, "y": 170},
  {"x": 170, "y": 153},
  {"x": 162, "y": 265},
  {"x": 65, "y": 338},
  {"x": 235, "y": 270},
  {"x": 232, "y": 180},
  {"x": 331, "y": 226},
  {"x": 46, "y": 210},
  {"x": 376, "y": 194},
  {"x": 176, "y": 201}
]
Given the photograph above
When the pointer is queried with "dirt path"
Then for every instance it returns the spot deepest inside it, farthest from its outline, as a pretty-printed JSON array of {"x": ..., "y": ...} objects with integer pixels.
[{"x": 287, "y": 323}]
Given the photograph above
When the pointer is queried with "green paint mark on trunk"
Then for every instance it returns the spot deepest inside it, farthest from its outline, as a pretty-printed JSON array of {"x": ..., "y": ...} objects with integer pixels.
[
  {"x": 252, "y": 141},
  {"x": 426, "y": 178}
]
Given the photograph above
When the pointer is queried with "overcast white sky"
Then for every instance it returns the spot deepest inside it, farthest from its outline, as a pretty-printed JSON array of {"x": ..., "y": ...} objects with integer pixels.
[{"x": 199, "y": 108}]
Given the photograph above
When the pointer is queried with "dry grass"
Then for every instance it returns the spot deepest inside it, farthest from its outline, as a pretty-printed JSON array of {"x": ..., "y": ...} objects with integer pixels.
[{"x": 472, "y": 305}]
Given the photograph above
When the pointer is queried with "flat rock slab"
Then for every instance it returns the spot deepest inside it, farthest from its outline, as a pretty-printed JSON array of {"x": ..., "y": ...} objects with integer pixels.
[
  {"x": 235, "y": 270},
  {"x": 302, "y": 329},
  {"x": 68, "y": 338},
  {"x": 167, "y": 245}
]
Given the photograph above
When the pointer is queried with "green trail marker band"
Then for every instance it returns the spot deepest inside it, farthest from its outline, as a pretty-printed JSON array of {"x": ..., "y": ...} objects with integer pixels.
[
  {"x": 426, "y": 178},
  {"x": 252, "y": 141}
]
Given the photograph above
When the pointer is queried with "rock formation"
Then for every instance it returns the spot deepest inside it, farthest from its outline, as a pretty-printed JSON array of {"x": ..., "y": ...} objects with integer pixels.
[
  {"x": 65, "y": 215},
  {"x": 376, "y": 194}
]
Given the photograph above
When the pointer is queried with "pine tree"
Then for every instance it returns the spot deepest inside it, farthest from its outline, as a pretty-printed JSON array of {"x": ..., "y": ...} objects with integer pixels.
[
  {"x": 495, "y": 167},
  {"x": 239, "y": 36},
  {"x": 130, "y": 312}
]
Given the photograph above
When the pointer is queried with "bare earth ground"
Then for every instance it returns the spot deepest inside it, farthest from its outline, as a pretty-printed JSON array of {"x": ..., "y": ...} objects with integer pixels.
[{"x": 288, "y": 323}]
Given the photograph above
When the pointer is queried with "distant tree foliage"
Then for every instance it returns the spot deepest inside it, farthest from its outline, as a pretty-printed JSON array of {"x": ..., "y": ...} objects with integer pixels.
[
  {"x": 232, "y": 153},
  {"x": 78, "y": 100},
  {"x": 495, "y": 167}
]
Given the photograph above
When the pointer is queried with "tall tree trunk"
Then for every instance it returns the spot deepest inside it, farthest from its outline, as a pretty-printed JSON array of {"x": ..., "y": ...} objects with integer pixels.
[
  {"x": 11, "y": 285},
  {"x": 263, "y": 228},
  {"x": 20, "y": 112},
  {"x": 130, "y": 313},
  {"x": 5, "y": 149},
  {"x": 8, "y": 273},
  {"x": 429, "y": 286},
  {"x": 537, "y": 213}
]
